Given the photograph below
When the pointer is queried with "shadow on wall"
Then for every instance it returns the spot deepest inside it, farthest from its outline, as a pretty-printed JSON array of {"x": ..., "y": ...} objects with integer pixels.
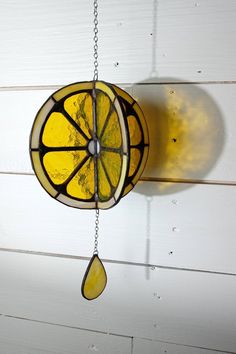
[{"x": 186, "y": 133}]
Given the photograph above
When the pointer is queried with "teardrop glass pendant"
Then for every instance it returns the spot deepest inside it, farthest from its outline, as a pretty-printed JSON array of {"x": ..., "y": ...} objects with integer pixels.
[{"x": 95, "y": 279}]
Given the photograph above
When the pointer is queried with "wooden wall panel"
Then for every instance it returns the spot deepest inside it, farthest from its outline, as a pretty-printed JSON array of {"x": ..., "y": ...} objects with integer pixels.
[
  {"x": 178, "y": 60},
  {"x": 50, "y": 42},
  {"x": 175, "y": 306},
  {"x": 193, "y": 228},
  {"x": 19, "y": 336},
  {"x": 191, "y": 130}
]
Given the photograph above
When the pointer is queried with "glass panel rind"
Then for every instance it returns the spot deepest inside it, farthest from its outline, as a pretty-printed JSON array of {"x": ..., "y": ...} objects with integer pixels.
[
  {"x": 100, "y": 85},
  {"x": 107, "y": 205},
  {"x": 81, "y": 186},
  {"x": 64, "y": 91},
  {"x": 41, "y": 175},
  {"x": 59, "y": 132},
  {"x": 127, "y": 189},
  {"x": 75, "y": 203},
  {"x": 39, "y": 120},
  {"x": 61, "y": 164},
  {"x": 122, "y": 179},
  {"x": 80, "y": 108},
  {"x": 123, "y": 94}
]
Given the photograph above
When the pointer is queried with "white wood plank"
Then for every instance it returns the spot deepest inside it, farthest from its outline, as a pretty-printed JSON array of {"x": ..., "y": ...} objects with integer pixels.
[
  {"x": 151, "y": 347},
  {"x": 50, "y": 42},
  {"x": 54, "y": 42},
  {"x": 200, "y": 118},
  {"x": 26, "y": 337},
  {"x": 194, "y": 228},
  {"x": 193, "y": 309},
  {"x": 191, "y": 39}
]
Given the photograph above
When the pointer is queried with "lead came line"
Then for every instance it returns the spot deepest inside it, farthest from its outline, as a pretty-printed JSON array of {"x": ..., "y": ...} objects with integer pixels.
[{"x": 75, "y": 125}]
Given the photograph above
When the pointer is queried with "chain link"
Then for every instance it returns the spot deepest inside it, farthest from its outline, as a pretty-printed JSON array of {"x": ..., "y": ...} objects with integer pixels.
[
  {"x": 95, "y": 39},
  {"x": 96, "y": 232}
]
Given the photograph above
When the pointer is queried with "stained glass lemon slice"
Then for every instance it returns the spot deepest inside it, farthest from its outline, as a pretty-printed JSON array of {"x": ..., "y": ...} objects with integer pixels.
[
  {"x": 79, "y": 146},
  {"x": 89, "y": 145}
]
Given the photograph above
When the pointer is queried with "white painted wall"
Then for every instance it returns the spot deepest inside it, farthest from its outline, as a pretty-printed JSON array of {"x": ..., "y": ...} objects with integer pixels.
[{"x": 169, "y": 246}]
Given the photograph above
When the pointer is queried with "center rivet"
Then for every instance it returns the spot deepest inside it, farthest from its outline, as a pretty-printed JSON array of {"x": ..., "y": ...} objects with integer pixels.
[{"x": 94, "y": 147}]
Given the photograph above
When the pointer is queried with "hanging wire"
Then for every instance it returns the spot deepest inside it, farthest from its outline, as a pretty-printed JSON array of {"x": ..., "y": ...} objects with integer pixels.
[
  {"x": 95, "y": 39},
  {"x": 96, "y": 232}
]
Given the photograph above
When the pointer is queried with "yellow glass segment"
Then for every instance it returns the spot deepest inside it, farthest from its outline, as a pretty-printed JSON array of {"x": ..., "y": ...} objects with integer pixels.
[
  {"x": 60, "y": 164},
  {"x": 135, "y": 156},
  {"x": 112, "y": 133},
  {"x": 59, "y": 132},
  {"x": 95, "y": 279},
  {"x": 112, "y": 164},
  {"x": 103, "y": 105},
  {"x": 82, "y": 184},
  {"x": 104, "y": 188},
  {"x": 135, "y": 133},
  {"x": 80, "y": 108}
]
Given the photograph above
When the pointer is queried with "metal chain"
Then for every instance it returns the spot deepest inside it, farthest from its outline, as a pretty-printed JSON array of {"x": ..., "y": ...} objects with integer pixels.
[
  {"x": 95, "y": 78},
  {"x": 95, "y": 39},
  {"x": 96, "y": 232}
]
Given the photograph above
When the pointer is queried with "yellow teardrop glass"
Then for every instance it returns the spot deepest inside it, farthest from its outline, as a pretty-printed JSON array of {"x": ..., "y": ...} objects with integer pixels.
[{"x": 95, "y": 279}]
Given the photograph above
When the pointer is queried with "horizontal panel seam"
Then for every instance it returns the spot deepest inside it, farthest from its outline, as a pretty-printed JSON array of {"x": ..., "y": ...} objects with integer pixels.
[
  {"x": 64, "y": 325},
  {"x": 124, "y": 84},
  {"x": 186, "y": 345},
  {"x": 113, "y": 261},
  {"x": 110, "y": 333},
  {"x": 150, "y": 179},
  {"x": 185, "y": 180}
]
